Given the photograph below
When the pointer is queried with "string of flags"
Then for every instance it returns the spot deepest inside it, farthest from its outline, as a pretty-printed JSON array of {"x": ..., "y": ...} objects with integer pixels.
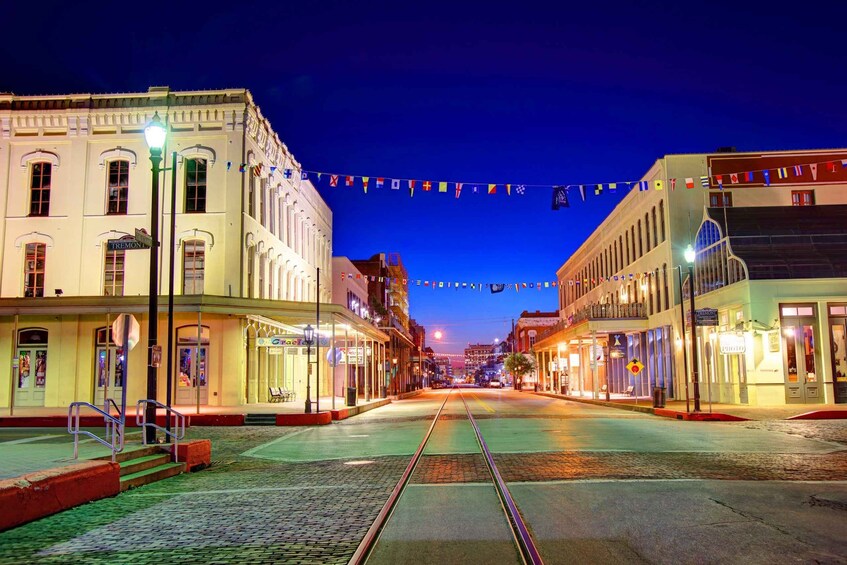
[
  {"x": 560, "y": 191},
  {"x": 495, "y": 288}
]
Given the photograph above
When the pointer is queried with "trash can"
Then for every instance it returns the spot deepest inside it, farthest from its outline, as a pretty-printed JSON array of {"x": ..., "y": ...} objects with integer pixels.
[
  {"x": 382, "y": 392},
  {"x": 565, "y": 389},
  {"x": 659, "y": 397},
  {"x": 535, "y": 387},
  {"x": 351, "y": 396}
]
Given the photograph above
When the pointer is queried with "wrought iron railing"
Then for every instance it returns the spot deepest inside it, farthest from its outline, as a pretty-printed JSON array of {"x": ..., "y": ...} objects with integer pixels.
[
  {"x": 114, "y": 428},
  {"x": 177, "y": 431}
]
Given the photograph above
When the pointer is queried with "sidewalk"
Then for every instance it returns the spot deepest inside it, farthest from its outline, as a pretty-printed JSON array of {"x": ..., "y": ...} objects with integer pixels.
[
  {"x": 288, "y": 413},
  {"x": 715, "y": 411}
]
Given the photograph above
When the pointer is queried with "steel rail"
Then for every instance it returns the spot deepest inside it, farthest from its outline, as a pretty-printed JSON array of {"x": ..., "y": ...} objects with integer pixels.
[
  {"x": 529, "y": 553},
  {"x": 371, "y": 537}
]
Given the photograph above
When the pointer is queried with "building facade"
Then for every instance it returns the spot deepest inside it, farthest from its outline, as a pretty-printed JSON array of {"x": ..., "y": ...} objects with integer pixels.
[
  {"x": 620, "y": 292},
  {"x": 251, "y": 246}
]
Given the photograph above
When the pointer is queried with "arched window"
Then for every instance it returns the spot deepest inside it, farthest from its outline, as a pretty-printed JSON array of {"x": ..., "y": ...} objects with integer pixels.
[
  {"x": 662, "y": 218},
  {"x": 195, "y": 185},
  {"x": 655, "y": 229},
  {"x": 665, "y": 284},
  {"x": 647, "y": 230},
  {"x": 193, "y": 266},
  {"x": 39, "y": 188},
  {"x": 640, "y": 241},
  {"x": 658, "y": 290},
  {"x": 113, "y": 273},
  {"x": 117, "y": 191},
  {"x": 34, "y": 270},
  {"x": 627, "y": 250}
]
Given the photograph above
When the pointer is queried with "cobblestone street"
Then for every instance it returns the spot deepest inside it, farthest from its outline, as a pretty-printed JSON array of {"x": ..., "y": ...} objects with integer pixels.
[{"x": 254, "y": 505}]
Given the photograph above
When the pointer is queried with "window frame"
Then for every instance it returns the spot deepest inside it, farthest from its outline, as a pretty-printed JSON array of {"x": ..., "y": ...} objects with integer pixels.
[
  {"x": 798, "y": 200},
  {"x": 195, "y": 189},
  {"x": 720, "y": 199},
  {"x": 111, "y": 260},
  {"x": 33, "y": 252},
  {"x": 195, "y": 250},
  {"x": 121, "y": 189},
  {"x": 40, "y": 206}
]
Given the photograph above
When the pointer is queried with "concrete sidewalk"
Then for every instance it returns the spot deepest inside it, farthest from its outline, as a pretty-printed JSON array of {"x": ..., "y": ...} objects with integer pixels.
[{"x": 714, "y": 411}]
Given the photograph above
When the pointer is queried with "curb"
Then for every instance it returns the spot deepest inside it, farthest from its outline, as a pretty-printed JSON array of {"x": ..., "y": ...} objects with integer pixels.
[
  {"x": 42, "y": 493},
  {"x": 663, "y": 412},
  {"x": 345, "y": 413},
  {"x": 821, "y": 415}
]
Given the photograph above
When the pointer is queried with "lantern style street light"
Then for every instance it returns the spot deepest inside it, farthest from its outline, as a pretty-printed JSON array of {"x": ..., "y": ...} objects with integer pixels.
[
  {"x": 155, "y": 134},
  {"x": 690, "y": 255},
  {"x": 308, "y": 337}
]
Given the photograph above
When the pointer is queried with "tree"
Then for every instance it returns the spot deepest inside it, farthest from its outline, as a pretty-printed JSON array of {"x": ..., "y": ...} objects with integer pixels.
[{"x": 519, "y": 365}]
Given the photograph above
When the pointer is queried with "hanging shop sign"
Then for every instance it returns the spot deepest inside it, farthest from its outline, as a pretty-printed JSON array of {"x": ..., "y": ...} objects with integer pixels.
[
  {"x": 731, "y": 343},
  {"x": 706, "y": 317},
  {"x": 289, "y": 341},
  {"x": 617, "y": 346}
]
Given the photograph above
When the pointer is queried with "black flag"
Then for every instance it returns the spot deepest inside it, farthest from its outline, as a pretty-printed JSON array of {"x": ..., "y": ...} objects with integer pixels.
[
  {"x": 497, "y": 287},
  {"x": 560, "y": 197}
]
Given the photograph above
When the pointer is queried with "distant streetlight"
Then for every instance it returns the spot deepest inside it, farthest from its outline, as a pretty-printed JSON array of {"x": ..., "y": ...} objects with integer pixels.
[
  {"x": 308, "y": 337},
  {"x": 438, "y": 334},
  {"x": 155, "y": 135},
  {"x": 690, "y": 256}
]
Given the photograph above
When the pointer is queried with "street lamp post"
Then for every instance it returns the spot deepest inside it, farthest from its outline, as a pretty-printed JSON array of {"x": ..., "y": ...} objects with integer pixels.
[
  {"x": 154, "y": 134},
  {"x": 695, "y": 371},
  {"x": 394, "y": 374},
  {"x": 684, "y": 350},
  {"x": 309, "y": 336}
]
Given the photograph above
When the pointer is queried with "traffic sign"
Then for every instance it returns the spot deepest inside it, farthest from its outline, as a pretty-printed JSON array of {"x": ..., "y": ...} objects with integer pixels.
[
  {"x": 706, "y": 317},
  {"x": 118, "y": 329},
  {"x": 635, "y": 366},
  {"x": 142, "y": 237},
  {"x": 125, "y": 244}
]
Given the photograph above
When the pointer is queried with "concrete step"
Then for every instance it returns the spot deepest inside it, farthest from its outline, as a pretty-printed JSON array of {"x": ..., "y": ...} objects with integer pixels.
[
  {"x": 260, "y": 420},
  {"x": 143, "y": 463},
  {"x": 133, "y": 453},
  {"x": 150, "y": 475}
]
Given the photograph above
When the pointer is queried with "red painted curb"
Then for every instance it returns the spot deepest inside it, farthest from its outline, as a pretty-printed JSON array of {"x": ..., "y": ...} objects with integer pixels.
[
  {"x": 42, "y": 493},
  {"x": 342, "y": 414},
  {"x": 195, "y": 454},
  {"x": 698, "y": 416},
  {"x": 821, "y": 415},
  {"x": 319, "y": 419}
]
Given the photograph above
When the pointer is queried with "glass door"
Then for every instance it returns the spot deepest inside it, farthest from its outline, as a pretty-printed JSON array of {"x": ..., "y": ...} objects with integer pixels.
[
  {"x": 31, "y": 370},
  {"x": 192, "y": 383},
  {"x": 108, "y": 369},
  {"x": 802, "y": 383},
  {"x": 838, "y": 335}
]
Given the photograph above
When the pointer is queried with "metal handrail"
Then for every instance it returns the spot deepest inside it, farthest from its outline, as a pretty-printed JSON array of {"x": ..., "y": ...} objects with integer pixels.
[
  {"x": 114, "y": 428},
  {"x": 178, "y": 429}
]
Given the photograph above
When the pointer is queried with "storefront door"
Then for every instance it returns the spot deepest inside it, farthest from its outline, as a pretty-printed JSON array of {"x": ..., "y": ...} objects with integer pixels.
[
  {"x": 108, "y": 369},
  {"x": 838, "y": 357},
  {"x": 192, "y": 383},
  {"x": 801, "y": 358},
  {"x": 31, "y": 371}
]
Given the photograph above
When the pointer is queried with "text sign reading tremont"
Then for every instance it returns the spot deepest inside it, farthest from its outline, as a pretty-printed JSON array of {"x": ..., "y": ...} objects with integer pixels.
[{"x": 124, "y": 245}]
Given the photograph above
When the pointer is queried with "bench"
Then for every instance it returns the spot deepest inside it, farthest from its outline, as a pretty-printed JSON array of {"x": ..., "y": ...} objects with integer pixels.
[
  {"x": 280, "y": 394},
  {"x": 630, "y": 390}
]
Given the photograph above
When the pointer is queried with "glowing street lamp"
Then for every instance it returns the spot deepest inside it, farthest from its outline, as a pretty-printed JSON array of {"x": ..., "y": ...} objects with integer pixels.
[
  {"x": 308, "y": 337},
  {"x": 155, "y": 134},
  {"x": 690, "y": 255}
]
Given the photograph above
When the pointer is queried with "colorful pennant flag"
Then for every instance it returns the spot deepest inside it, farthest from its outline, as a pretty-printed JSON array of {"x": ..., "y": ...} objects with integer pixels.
[
  {"x": 704, "y": 182},
  {"x": 458, "y": 189},
  {"x": 427, "y": 186},
  {"x": 492, "y": 189},
  {"x": 748, "y": 176},
  {"x": 333, "y": 180},
  {"x": 257, "y": 170},
  {"x": 395, "y": 184},
  {"x": 242, "y": 167},
  {"x": 798, "y": 170},
  {"x": 411, "y": 188},
  {"x": 560, "y": 197},
  {"x": 521, "y": 189},
  {"x": 598, "y": 190},
  {"x": 733, "y": 178},
  {"x": 782, "y": 172},
  {"x": 689, "y": 182},
  {"x": 719, "y": 178},
  {"x": 365, "y": 183},
  {"x": 767, "y": 174},
  {"x": 814, "y": 169},
  {"x": 673, "y": 184},
  {"x": 642, "y": 186},
  {"x": 442, "y": 187},
  {"x": 287, "y": 173},
  {"x": 379, "y": 182},
  {"x": 508, "y": 190},
  {"x": 348, "y": 181},
  {"x": 582, "y": 192},
  {"x": 658, "y": 184},
  {"x": 304, "y": 175},
  {"x": 613, "y": 187}
]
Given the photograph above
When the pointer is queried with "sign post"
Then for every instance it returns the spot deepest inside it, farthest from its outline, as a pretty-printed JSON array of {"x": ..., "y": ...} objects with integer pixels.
[{"x": 125, "y": 332}]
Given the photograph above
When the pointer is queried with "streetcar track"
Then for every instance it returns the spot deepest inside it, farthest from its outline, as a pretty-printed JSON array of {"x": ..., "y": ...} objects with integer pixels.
[{"x": 520, "y": 534}]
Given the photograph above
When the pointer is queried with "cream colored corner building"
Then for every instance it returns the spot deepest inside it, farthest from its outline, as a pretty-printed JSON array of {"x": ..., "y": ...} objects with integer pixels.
[
  {"x": 770, "y": 261},
  {"x": 250, "y": 237}
]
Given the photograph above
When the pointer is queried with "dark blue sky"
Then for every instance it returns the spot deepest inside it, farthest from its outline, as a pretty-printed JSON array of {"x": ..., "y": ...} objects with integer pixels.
[{"x": 483, "y": 92}]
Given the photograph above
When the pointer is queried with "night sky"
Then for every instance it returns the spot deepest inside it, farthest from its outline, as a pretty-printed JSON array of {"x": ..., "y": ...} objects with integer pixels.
[{"x": 481, "y": 93}]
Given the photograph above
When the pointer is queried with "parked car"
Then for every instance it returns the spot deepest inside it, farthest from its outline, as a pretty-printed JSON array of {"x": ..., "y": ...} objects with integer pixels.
[{"x": 495, "y": 384}]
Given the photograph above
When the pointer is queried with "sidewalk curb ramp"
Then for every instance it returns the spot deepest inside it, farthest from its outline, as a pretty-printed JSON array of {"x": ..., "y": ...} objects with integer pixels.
[
  {"x": 42, "y": 493},
  {"x": 821, "y": 415}
]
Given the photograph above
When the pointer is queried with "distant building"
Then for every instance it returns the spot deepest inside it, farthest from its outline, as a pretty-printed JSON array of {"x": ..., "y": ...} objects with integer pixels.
[
  {"x": 476, "y": 356},
  {"x": 530, "y": 324}
]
